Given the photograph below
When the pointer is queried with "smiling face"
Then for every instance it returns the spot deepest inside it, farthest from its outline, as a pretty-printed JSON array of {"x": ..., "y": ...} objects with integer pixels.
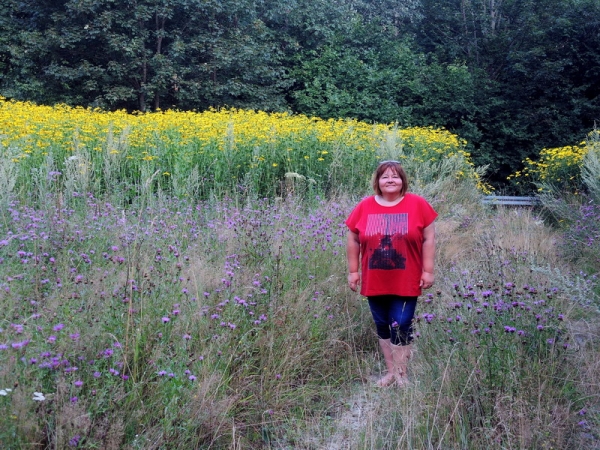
[
  {"x": 387, "y": 177},
  {"x": 390, "y": 184}
]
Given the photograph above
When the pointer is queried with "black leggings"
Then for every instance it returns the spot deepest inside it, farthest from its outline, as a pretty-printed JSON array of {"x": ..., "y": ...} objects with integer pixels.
[{"x": 393, "y": 316}]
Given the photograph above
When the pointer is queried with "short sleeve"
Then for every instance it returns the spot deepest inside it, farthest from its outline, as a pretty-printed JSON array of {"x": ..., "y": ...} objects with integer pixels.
[
  {"x": 429, "y": 214},
  {"x": 354, "y": 218}
]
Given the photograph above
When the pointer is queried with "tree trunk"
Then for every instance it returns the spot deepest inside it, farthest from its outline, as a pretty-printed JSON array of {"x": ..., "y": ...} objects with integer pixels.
[
  {"x": 142, "y": 95},
  {"x": 160, "y": 28}
]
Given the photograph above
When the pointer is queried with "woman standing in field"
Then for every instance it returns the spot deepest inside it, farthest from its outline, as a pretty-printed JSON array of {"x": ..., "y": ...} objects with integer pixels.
[{"x": 392, "y": 235}]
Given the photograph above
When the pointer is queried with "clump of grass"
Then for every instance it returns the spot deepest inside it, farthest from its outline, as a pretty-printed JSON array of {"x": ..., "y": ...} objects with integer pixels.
[
  {"x": 500, "y": 342},
  {"x": 577, "y": 214}
]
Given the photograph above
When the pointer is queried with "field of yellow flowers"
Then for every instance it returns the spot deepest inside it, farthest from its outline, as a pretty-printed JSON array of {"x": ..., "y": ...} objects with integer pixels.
[
  {"x": 559, "y": 166},
  {"x": 199, "y": 153}
]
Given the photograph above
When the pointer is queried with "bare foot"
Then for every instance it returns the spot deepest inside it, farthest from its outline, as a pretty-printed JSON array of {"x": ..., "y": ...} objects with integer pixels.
[
  {"x": 387, "y": 380},
  {"x": 401, "y": 380}
]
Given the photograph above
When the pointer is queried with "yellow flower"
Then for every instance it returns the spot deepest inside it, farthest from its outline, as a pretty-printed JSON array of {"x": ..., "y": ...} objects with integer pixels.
[{"x": 230, "y": 137}]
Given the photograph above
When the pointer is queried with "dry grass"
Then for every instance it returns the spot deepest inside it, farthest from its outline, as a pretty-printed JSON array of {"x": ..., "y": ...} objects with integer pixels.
[{"x": 482, "y": 235}]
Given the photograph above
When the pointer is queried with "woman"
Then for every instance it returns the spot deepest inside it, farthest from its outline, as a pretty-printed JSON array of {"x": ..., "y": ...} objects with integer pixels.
[{"x": 392, "y": 234}]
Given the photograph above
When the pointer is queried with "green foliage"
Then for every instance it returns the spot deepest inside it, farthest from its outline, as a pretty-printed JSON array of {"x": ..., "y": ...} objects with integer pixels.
[
  {"x": 147, "y": 55},
  {"x": 339, "y": 81},
  {"x": 510, "y": 77},
  {"x": 370, "y": 75},
  {"x": 535, "y": 66}
]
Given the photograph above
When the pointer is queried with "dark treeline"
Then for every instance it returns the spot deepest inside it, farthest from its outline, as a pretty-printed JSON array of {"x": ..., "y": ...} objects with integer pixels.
[{"x": 510, "y": 76}]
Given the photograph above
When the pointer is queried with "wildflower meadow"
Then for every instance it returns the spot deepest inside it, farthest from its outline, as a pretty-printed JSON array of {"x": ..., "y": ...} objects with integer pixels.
[{"x": 177, "y": 280}]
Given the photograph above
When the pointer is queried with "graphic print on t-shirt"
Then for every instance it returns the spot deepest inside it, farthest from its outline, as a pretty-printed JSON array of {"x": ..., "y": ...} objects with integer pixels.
[{"x": 389, "y": 228}]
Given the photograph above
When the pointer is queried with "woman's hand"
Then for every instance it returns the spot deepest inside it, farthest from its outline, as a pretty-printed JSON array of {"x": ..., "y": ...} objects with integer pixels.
[
  {"x": 427, "y": 279},
  {"x": 353, "y": 280}
]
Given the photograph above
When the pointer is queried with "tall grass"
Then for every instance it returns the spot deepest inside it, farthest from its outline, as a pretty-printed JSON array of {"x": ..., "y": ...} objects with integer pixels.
[
  {"x": 577, "y": 212},
  {"x": 221, "y": 317},
  {"x": 190, "y": 316},
  {"x": 214, "y": 325}
]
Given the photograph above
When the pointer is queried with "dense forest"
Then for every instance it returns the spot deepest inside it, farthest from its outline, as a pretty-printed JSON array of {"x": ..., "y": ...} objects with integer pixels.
[{"x": 509, "y": 76}]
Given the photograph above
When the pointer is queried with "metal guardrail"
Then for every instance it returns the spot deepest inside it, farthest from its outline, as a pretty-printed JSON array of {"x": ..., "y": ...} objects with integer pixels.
[{"x": 509, "y": 200}]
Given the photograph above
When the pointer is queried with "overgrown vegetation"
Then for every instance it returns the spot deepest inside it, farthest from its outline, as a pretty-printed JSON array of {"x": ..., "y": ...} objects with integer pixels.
[
  {"x": 511, "y": 77},
  {"x": 224, "y": 320}
]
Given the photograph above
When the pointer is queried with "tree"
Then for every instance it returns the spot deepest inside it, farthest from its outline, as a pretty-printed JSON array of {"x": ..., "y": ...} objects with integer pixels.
[
  {"x": 534, "y": 67},
  {"x": 132, "y": 54}
]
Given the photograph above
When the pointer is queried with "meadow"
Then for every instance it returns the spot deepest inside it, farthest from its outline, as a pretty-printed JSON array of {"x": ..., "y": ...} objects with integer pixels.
[{"x": 177, "y": 280}]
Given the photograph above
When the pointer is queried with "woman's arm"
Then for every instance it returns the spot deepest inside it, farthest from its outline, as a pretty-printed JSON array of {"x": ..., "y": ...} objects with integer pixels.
[
  {"x": 353, "y": 257},
  {"x": 428, "y": 277}
]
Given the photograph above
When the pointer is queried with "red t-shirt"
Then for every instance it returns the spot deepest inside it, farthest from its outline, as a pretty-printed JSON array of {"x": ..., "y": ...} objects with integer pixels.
[{"x": 391, "y": 243}]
